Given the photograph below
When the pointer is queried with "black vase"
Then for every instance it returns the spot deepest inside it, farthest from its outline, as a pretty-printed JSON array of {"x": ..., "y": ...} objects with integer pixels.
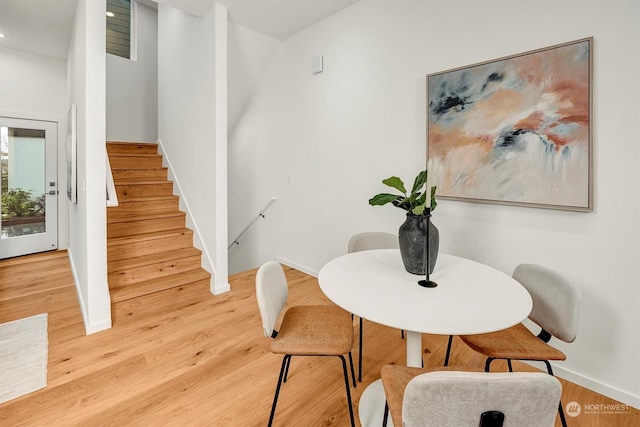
[{"x": 412, "y": 235}]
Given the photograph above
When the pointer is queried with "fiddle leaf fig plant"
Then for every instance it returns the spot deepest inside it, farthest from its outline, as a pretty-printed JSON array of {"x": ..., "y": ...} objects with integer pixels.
[{"x": 413, "y": 202}]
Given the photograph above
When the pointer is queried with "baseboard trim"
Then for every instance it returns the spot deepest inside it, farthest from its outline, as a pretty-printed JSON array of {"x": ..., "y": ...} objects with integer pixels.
[
  {"x": 298, "y": 267},
  {"x": 221, "y": 288},
  {"x": 593, "y": 385},
  {"x": 97, "y": 327},
  {"x": 88, "y": 328},
  {"x": 198, "y": 242}
]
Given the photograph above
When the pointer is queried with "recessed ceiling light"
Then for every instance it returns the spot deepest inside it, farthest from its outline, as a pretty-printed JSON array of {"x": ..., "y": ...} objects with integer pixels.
[{"x": 110, "y": 14}]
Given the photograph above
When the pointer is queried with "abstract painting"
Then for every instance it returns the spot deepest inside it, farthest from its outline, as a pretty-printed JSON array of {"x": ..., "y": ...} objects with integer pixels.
[{"x": 515, "y": 130}]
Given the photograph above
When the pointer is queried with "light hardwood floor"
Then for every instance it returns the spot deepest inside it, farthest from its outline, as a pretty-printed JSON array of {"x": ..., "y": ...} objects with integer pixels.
[{"x": 183, "y": 357}]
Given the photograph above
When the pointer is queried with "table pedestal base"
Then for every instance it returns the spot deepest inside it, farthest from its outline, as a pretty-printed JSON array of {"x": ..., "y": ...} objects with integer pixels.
[
  {"x": 371, "y": 406},
  {"x": 414, "y": 349}
]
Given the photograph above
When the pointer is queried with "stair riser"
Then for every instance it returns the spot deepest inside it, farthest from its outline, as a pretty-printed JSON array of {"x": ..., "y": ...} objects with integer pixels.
[
  {"x": 129, "y": 228},
  {"x": 152, "y": 207},
  {"x": 148, "y": 247},
  {"x": 136, "y": 191},
  {"x": 148, "y": 272},
  {"x": 129, "y": 292},
  {"x": 132, "y": 148},
  {"x": 135, "y": 162},
  {"x": 139, "y": 175},
  {"x": 130, "y": 263}
]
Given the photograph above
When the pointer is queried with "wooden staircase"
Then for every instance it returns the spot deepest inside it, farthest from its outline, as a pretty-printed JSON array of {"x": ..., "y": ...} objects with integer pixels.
[{"x": 149, "y": 249}]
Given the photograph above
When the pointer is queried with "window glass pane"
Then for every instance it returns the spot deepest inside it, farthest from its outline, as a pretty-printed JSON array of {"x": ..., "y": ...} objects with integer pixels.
[
  {"x": 119, "y": 28},
  {"x": 22, "y": 156}
]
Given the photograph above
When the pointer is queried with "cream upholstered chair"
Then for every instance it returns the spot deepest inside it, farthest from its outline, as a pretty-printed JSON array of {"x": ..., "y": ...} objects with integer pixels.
[
  {"x": 372, "y": 240},
  {"x": 556, "y": 309},
  {"x": 462, "y": 398},
  {"x": 307, "y": 330},
  {"x": 363, "y": 242}
]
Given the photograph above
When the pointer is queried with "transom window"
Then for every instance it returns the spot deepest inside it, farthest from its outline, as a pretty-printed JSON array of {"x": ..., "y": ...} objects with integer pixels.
[{"x": 119, "y": 28}]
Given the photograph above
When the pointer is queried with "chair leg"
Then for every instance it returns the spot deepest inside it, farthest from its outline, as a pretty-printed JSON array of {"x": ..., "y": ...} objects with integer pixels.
[
  {"x": 446, "y": 357},
  {"x": 563, "y": 420},
  {"x": 360, "y": 353},
  {"x": 285, "y": 360},
  {"x": 560, "y": 410},
  {"x": 346, "y": 383},
  {"x": 549, "y": 370},
  {"x": 386, "y": 414},
  {"x": 487, "y": 364},
  {"x": 353, "y": 372},
  {"x": 509, "y": 365},
  {"x": 286, "y": 370}
]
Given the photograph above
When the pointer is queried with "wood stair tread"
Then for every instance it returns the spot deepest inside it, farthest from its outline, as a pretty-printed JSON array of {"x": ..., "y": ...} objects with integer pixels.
[
  {"x": 125, "y": 292},
  {"x": 156, "y": 182},
  {"x": 134, "y": 200},
  {"x": 134, "y": 217},
  {"x": 165, "y": 197},
  {"x": 129, "y": 263},
  {"x": 148, "y": 236},
  {"x": 130, "y": 143},
  {"x": 139, "y": 170},
  {"x": 146, "y": 155}
]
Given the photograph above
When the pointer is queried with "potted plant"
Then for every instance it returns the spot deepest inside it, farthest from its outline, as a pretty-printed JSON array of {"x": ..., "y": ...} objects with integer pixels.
[{"x": 412, "y": 232}]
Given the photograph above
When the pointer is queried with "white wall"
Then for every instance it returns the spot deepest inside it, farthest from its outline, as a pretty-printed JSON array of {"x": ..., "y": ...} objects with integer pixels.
[
  {"x": 323, "y": 142},
  {"x": 87, "y": 217},
  {"x": 31, "y": 83},
  {"x": 34, "y": 87},
  {"x": 250, "y": 53},
  {"x": 132, "y": 85},
  {"x": 187, "y": 124}
]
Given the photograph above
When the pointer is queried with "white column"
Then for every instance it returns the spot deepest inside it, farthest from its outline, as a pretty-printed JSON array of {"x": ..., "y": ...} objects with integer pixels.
[{"x": 221, "y": 280}]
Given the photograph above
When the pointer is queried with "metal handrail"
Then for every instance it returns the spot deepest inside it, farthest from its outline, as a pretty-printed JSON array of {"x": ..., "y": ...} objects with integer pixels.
[{"x": 260, "y": 215}]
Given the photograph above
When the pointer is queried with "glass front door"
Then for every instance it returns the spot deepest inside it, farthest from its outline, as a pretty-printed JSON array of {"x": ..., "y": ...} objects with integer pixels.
[{"x": 29, "y": 188}]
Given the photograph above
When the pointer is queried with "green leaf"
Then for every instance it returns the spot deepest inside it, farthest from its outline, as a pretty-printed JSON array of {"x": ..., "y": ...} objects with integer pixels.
[
  {"x": 403, "y": 203},
  {"x": 396, "y": 183},
  {"x": 418, "y": 210},
  {"x": 383, "y": 199},
  {"x": 419, "y": 181},
  {"x": 418, "y": 204}
]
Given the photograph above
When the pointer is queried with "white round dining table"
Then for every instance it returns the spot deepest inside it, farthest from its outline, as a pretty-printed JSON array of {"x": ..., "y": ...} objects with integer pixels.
[{"x": 470, "y": 298}]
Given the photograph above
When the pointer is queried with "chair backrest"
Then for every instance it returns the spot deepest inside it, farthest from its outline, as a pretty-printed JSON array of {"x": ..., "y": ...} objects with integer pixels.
[
  {"x": 372, "y": 240},
  {"x": 452, "y": 398},
  {"x": 271, "y": 292},
  {"x": 556, "y": 301}
]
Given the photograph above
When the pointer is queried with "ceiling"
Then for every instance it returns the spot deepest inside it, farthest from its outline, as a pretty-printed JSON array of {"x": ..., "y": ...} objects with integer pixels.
[
  {"x": 281, "y": 18},
  {"x": 43, "y": 27}
]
